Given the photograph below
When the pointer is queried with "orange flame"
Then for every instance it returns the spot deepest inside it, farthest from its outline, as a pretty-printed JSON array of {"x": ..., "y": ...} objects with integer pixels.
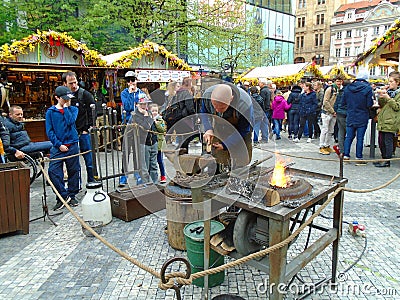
[{"x": 279, "y": 178}]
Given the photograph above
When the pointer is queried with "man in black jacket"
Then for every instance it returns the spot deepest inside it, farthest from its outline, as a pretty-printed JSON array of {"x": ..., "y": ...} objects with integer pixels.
[
  {"x": 266, "y": 94},
  {"x": 83, "y": 99},
  {"x": 183, "y": 127},
  {"x": 16, "y": 140}
]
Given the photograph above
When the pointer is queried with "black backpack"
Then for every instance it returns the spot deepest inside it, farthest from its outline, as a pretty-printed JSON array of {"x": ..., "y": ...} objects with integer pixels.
[{"x": 172, "y": 113}]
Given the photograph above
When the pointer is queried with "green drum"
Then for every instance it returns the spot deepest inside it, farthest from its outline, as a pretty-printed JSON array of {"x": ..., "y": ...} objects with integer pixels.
[{"x": 194, "y": 238}]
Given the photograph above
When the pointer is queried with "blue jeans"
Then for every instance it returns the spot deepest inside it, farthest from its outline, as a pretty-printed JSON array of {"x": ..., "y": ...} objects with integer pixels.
[
  {"x": 56, "y": 172},
  {"x": 151, "y": 161},
  {"x": 277, "y": 127},
  {"x": 351, "y": 133},
  {"x": 85, "y": 145},
  {"x": 36, "y": 147},
  {"x": 160, "y": 162},
  {"x": 263, "y": 125}
]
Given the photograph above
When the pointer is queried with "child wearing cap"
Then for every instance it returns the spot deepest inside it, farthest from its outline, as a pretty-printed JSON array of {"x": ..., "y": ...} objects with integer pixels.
[
  {"x": 148, "y": 146},
  {"x": 162, "y": 129},
  {"x": 62, "y": 133}
]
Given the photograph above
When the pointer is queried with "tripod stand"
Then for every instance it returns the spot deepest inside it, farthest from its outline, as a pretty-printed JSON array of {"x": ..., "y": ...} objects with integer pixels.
[{"x": 44, "y": 202}]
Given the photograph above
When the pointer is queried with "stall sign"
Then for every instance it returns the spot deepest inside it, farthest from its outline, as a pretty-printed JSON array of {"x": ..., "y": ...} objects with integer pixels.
[{"x": 161, "y": 75}]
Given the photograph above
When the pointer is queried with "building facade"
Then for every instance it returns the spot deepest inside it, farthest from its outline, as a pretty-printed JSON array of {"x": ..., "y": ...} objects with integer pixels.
[
  {"x": 312, "y": 34},
  {"x": 356, "y": 26}
]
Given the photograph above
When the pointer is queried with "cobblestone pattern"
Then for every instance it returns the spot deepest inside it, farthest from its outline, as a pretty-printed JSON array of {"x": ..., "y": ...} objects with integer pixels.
[{"x": 61, "y": 263}]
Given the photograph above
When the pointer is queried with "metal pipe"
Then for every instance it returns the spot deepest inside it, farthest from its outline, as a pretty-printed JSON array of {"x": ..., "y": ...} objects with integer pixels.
[{"x": 105, "y": 139}]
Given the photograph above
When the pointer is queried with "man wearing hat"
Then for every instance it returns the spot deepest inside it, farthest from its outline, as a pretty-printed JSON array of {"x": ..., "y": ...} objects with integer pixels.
[
  {"x": 228, "y": 129},
  {"x": 129, "y": 97},
  {"x": 63, "y": 135},
  {"x": 147, "y": 140},
  {"x": 358, "y": 98}
]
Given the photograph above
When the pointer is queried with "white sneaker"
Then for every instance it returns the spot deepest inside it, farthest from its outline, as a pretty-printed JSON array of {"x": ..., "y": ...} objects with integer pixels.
[
  {"x": 197, "y": 144},
  {"x": 308, "y": 140},
  {"x": 296, "y": 140}
]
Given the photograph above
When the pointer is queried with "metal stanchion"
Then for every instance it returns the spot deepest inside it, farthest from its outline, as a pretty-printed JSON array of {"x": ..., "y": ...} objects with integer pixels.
[{"x": 110, "y": 130}]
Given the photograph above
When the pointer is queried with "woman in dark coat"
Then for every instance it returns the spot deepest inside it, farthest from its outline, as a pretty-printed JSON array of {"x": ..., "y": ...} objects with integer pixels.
[{"x": 307, "y": 110}]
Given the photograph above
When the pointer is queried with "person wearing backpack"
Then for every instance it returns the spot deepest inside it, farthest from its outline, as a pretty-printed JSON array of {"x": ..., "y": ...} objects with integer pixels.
[
  {"x": 83, "y": 99},
  {"x": 260, "y": 118}
]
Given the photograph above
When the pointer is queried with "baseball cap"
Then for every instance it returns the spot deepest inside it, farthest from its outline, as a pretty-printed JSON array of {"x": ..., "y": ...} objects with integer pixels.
[
  {"x": 64, "y": 92},
  {"x": 143, "y": 99},
  {"x": 130, "y": 75}
]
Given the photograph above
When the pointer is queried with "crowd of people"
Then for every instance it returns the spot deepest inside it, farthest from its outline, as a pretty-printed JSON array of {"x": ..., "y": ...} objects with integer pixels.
[
  {"x": 233, "y": 119},
  {"x": 333, "y": 112}
]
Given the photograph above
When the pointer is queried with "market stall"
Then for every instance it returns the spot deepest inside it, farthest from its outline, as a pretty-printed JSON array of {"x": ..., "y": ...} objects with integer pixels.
[
  {"x": 31, "y": 69},
  {"x": 153, "y": 64},
  {"x": 283, "y": 75},
  {"x": 384, "y": 51}
]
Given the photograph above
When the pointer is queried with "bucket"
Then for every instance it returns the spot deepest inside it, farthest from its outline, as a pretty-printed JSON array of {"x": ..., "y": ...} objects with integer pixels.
[
  {"x": 195, "y": 251},
  {"x": 96, "y": 205}
]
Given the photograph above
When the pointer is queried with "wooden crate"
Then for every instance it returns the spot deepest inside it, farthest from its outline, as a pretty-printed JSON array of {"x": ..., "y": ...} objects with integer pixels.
[
  {"x": 14, "y": 197},
  {"x": 137, "y": 202}
]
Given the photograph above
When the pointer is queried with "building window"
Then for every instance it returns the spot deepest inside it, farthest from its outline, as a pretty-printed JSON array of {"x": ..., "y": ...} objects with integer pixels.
[
  {"x": 372, "y": 72},
  {"x": 358, "y": 32},
  {"x": 376, "y": 30},
  {"x": 348, "y": 33},
  {"x": 321, "y": 2},
  {"x": 383, "y": 70},
  {"x": 319, "y": 39},
  {"x": 301, "y": 22},
  {"x": 338, "y": 52},
  {"x": 299, "y": 42},
  {"x": 349, "y": 15},
  {"x": 302, "y": 3},
  {"x": 387, "y": 27},
  {"x": 357, "y": 50},
  {"x": 320, "y": 19},
  {"x": 346, "y": 51},
  {"x": 339, "y": 35}
]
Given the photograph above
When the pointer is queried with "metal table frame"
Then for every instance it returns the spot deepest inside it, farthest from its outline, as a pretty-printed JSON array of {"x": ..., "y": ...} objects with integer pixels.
[{"x": 280, "y": 271}]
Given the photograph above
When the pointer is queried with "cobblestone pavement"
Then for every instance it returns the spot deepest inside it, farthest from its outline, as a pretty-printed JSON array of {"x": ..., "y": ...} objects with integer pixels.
[{"x": 59, "y": 262}]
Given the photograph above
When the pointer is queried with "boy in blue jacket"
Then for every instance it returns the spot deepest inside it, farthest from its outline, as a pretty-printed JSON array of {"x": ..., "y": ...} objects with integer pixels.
[{"x": 62, "y": 133}]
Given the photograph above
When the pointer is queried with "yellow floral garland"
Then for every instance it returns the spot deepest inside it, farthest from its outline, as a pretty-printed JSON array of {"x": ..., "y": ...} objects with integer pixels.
[
  {"x": 292, "y": 79},
  {"x": 387, "y": 36},
  {"x": 29, "y": 44},
  {"x": 148, "y": 49}
]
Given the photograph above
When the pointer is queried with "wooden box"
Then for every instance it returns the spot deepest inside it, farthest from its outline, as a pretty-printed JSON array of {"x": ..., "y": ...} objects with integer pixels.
[
  {"x": 137, "y": 202},
  {"x": 14, "y": 197}
]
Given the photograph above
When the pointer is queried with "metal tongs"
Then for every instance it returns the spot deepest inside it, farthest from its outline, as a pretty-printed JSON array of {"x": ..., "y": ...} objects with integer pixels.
[{"x": 198, "y": 229}]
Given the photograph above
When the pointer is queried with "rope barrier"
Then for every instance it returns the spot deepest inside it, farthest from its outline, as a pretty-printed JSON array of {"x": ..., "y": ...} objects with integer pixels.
[
  {"x": 327, "y": 159},
  {"x": 180, "y": 277}
]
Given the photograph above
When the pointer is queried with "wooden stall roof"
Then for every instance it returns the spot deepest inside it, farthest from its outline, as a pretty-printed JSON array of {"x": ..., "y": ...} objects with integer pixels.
[
  {"x": 50, "y": 48},
  {"x": 283, "y": 75},
  {"x": 147, "y": 55},
  {"x": 384, "y": 51}
]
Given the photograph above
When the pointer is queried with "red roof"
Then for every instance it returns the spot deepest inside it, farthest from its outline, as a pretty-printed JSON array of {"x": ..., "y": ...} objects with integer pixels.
[{"x": 361, "y": 4}]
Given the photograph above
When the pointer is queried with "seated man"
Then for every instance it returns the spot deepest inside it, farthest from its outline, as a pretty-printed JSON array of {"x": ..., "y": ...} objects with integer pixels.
[{"x": 19, "y": 142}]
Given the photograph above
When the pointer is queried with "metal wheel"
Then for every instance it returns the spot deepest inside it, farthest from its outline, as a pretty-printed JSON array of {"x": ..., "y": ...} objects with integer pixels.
[{"x": 243, "y": 232}]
